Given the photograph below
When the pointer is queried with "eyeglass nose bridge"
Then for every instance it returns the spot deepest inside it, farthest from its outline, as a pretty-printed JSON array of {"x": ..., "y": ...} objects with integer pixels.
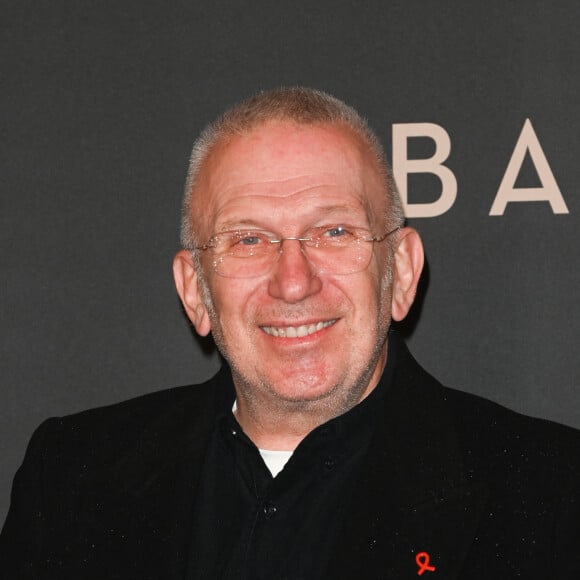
[
  {"x": 303, "y": 249},
  {"x": 295, "y": 238}
]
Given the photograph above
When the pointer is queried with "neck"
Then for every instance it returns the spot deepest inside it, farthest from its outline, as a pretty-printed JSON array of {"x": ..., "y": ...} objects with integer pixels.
[
  {"x": 276, "y": 424},
  {"x": 275, "y": 429}
]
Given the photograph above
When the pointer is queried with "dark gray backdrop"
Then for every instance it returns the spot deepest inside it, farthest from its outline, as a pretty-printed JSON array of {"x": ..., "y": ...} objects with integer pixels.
[{"x": 101, "y": 101}]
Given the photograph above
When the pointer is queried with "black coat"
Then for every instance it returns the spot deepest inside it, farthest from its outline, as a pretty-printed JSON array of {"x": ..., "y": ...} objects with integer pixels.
[{"x": 485, "y": 492}]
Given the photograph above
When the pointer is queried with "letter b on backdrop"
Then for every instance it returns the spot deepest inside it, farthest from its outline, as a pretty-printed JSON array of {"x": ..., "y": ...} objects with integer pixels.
[{"x": 402, "y": 166}]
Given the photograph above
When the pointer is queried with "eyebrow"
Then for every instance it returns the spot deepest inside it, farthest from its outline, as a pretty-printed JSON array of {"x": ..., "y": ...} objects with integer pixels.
[
  {"x": 327, "y": 209},
  {"x": 238, "y": 224}
]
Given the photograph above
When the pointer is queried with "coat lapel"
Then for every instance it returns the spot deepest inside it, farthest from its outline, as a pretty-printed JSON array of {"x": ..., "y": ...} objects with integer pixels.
[
  {"x": 147, "y": 497},
  {"x": 413, "y": 509}
]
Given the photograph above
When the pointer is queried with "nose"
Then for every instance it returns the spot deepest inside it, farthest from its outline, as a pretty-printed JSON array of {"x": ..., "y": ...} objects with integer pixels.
[{"x": 293, "y": 278}]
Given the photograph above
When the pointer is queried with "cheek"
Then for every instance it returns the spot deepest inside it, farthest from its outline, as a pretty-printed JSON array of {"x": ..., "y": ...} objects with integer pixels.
[
  {"x": 362, "y": 292},
  {"x": 377, "y": 302},
  {"x": 233, "y": 301}
]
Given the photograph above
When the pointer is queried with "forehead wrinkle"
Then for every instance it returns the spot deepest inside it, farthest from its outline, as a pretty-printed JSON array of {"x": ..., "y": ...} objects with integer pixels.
[
  {"x": 237, "y": 211},
  {"x": 276, "y": 187},
  {"x": 317, "y": 212}
]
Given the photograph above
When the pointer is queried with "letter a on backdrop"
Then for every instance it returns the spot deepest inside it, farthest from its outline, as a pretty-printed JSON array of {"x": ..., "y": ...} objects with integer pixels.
[{"x": 507, "y": 192}]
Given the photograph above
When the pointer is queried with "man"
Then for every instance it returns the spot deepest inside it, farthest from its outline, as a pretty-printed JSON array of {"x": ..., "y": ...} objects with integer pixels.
[{"x": 321, "y": 449}]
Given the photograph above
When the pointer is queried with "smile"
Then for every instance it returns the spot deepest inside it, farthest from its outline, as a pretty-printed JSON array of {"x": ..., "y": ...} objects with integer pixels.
[{"x": 297, "y": 331}]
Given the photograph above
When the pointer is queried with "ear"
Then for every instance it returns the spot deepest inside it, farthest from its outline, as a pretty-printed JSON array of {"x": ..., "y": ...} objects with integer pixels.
[
  {"x": 407, "y": 267},
  {"x": 187, "y": 284}
]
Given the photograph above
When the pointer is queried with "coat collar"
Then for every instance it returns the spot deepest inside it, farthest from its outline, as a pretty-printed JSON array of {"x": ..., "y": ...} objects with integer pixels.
[{"x": 413, "y": 496}]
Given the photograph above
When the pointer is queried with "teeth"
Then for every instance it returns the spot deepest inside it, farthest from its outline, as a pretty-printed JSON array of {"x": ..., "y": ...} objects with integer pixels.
[{"x": 296, "y": 331}]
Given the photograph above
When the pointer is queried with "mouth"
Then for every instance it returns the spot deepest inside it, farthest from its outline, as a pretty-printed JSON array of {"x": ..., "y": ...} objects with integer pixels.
[{"x": 298, "y": 331}]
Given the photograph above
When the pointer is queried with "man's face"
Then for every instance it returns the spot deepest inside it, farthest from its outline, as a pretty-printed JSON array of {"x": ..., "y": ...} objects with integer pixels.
[{"x": 286, "y": 178}]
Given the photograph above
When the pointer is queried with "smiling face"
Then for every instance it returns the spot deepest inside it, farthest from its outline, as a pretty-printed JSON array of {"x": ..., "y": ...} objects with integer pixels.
[{"x": 294, "y": 337}]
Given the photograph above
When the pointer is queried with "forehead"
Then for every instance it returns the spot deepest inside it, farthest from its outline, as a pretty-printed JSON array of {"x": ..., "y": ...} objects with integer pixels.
[{"x": 278, "y": 165}]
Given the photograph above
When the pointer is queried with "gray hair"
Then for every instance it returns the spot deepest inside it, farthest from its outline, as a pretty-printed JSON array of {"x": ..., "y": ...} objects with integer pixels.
[{"x": 298, "y": 104}]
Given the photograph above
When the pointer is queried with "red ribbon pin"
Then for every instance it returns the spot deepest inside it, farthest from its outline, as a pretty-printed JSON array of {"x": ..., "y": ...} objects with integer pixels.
[{"x": 422, "y": 559}]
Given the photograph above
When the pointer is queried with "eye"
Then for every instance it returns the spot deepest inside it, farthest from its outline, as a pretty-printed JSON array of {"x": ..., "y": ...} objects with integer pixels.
[
  {"x": 248, "y": 243},
  {"x": 336, "y": 232},
  {"x": 249, "y": 239}
]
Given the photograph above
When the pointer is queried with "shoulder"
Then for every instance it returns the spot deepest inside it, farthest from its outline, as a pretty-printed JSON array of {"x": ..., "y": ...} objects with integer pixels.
[
  {"x": 492, "y": 439},
  {"x": 144, "y": 406},
  {"x": 130, "y": 426},
  {"x": 502, "y": 446},
  {"x": 482, "y": 421}
]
